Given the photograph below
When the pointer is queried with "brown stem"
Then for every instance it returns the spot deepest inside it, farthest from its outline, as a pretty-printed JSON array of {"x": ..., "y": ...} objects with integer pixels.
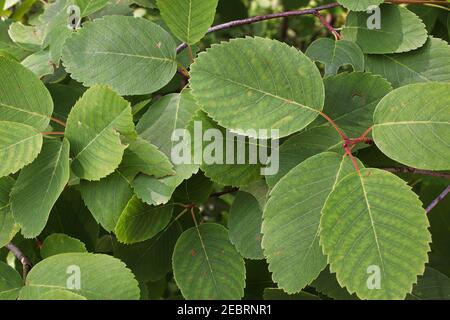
[
  {"x": 330, "y": 28},
  {"x": 53, "y": 133},
  {"x": 26, "y": 264},
  {"x": 58, "y": 121},
  {"x": 418, "y": 171},
  {"x": 439, "y": 198}
]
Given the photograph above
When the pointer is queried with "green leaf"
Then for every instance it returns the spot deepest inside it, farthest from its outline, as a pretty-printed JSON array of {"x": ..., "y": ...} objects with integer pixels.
[
  {"x": 19, "y": 145},
  {"x": 59, "y": 271},
  {"x": 58, "y": 243},
  {"x": 399, "y": 30},
  {"x": 93, "y": 129},
  {"x": 142, "y": 53},
  {"x": 7, "y": 46},
  {"x": 303, "y": 145},
  {"x": 245, "y": 225},
  {"x": 171, "y": 112},
  {"x": 23, "y": 97},
  {"x": 278, "y": 294},
  {"x": 291, "y": 220},
  {"x": 374, "y": 227},
  {"x": 88, "y": 7},
  {"x": 255, "y": 78},
  {"x": 140, "y": 221},
  {"x": 360, "y": 5},
  {"x": 189, "y": 20},
  {"x": 327, "y": 284},
  {"x": 107, "y": 198},
  {"x": 28, "y": 293},
  {"x": 155, "y": 191},
  {"x": 38, "y": 187},
  {"x": 412, "y": 125},
  {"x": 432, "y": 285},
  {"x": 142, "y": 156},
  {"x": 8, "y": 227},
  {"x": 28, "y": 37},
  {"x": 350, "y": 100},
  {"x": 10, "y": 282},
  {"x": 429, "y": 63},
  {"x": 207, "y": 266},
  {"x": 335, "y": 54},
  {"x": 152, "y": 259},
  {"x": 39, "y": 63}
]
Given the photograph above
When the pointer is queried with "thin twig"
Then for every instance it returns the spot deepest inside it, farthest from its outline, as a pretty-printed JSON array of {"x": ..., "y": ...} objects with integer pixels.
[
  {"x": 438, "y": 199},
  {"x": 330, "y": 28},
  {"x": 418, "y": 171},
  {"x": 26, "y": 264},
  {"x": 251, "y": 20},
  {"x": 53, "y": 133},
  {"x": 58, "y": 121}
]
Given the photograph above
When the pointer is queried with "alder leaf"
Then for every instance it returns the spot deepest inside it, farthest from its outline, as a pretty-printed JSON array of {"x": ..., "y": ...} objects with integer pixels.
[
  {"x": 291, "y": 220},
  {"x": 38, "y": 187},
  {"x": 96, "y": 284},
  {"x": 10, "y": 282},
  {"x": 140, "y": 221},
  {"x": 39, "y": 63},
  {"x": 132, "y": 55},
  {"x": 244, "y": 225},
  {"x": 429, "y": 63},
  {"x": 412, "y": 125},
  {"x": 373, "y": 227},
  {"x": 206, "y": 266},
  {"x": 267, "y": 83},
  {"x": 8, "y": 47},
  {"x": 432, "y": 285},
  {"x": 359, "y": 5},
  {"x": 189, "y": 20},
  {"x": 93, "y": 129},
  {"x": 58, "y": 243},
  {"x": 107, "y": 198},
  {"x": 8, "y": 227},
  {"x": 150, "y": 260},
  {"x": 23, "y": 97},
  {"x": 19, "y": 145},
  {"x": 335, "y": 54},
  {"x": 399, "y": 30}
]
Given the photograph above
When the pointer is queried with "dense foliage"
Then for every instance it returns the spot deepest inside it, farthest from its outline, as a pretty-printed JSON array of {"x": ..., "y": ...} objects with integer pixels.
[{"x": 335, "y": 188}]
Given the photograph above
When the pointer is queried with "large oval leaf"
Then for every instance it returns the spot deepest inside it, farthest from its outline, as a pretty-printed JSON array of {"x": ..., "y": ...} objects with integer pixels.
[
  {"x": 291, "y": 220},
  {"x": 60, "y": 272},
  {"x": 19, "y": 145},
  {"x": 38, "y": 187},
  {"x": 189, "y": 20},
  {"x": 412, "y": 125},
  {"x": 399, "y": 30},
  {"x": 257, "y": 83},
  {"x": 23, "y": 97},
  {"x": 93, "y": 129},
  {"x": 10, "y": 282},
  {"x": 207, "y": 266},
  {"x": 429, "y": 63},
  {"x": 374, "y": 232},
  {"x": 132, "y": 55}
]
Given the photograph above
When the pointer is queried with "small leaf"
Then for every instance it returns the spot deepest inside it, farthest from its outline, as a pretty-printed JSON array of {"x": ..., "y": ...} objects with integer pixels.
[
  {"x": 95, "y": 284},
  {"x": 429, "y": 63},
  {"x": 291, "y": 220},
  {"x": 207, "y": 266},
  {"x": 19, "y": 145},
  {"x": 10, "y": 282},
  {"x": 399, "y": 30},
  {"x": 28, "y": 37},
  {"x": 107, "y": 198},
  {"x": 412, "y": 125},
  {"x": 189, "y": 20},
  {"x": 7, "y": 46},
  {"x": 23, "y": 97},
  {"x": 39, "y": 63},
  {"x": 93, "y": 129},
  {"x": 327, "y": 285},
  {"x": 373, "y": 228},
  {"x": 140, "y": 221},
  {"x": 267, "y": 83},
  {"x": 335, "y": 54},
  {"x": 432, "y": 285},
  {"x": 142, "y": 53},
  {"x": 245, "y": 225},
  {"x": 38, "y": 187},
  {"x": 58, "y": 243},
  {"x": 8, "y": 227}
]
